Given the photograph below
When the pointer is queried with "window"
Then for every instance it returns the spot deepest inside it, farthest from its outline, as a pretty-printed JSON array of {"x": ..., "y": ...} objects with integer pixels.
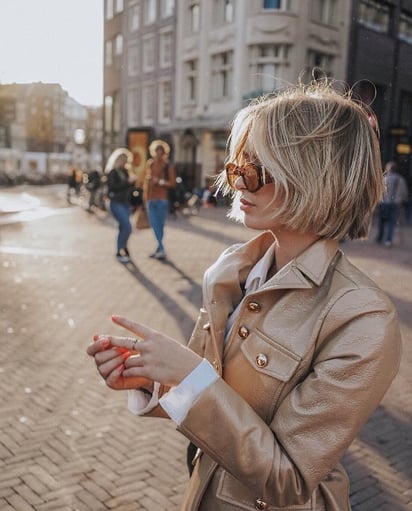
[
  {"x": 134, "y": 17},
  {"x": 405, "y": 109},
  {"x": 109, "y": 9},
  {"x": 133, "y": 107},
  {"x": 116, "y": 112},
  {"x": 190, "y": 70},
  {"x": 148, "y": 104},
  {"x": 165, "y": 101},
  {"x": 166, "y": 41},
  {"x": 108, "y": 53},
  {"x": 405, "y": 27},
  {"x": 194, "y": 16},
  {"x": 277, "y": 4},
  {"x": 149, "y": 11},
  {"x": 118, "y": 44},
  {"x": 133, "y": 60},
  {"x": 319, "y": 63},
  {"x": 267, "y": 62},
  {"x": 222, "y": 75},
  {"x": 167, "y": 8},
  {"x": 223, "y": 11},
  {"x": 374, "y": 15},
  {"x": 119, "y": 6},
  {"x": 108, "y": 106},
  {"x": 148, "y": 54},
  {"x": 325, "y": 11}
]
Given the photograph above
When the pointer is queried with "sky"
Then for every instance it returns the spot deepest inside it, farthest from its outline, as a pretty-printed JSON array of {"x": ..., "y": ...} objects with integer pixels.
[{"x": 54, "y": 41}]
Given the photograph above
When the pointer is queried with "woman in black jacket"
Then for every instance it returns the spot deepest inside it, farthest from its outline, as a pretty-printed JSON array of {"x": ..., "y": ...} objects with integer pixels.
[{"x": 119, "y": 183}]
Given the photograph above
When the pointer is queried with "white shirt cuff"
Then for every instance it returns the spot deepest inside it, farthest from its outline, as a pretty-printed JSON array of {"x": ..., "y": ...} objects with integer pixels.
[
  {"x": 140, "y": 403},
  {"x": 178, "y": 401}
]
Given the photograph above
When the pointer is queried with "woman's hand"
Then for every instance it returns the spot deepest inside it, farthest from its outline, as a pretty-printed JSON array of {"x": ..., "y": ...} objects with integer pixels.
[
  {"x": 110, "y": 364},
  {"x": 132, "y": 362},
  {"x": 156, "y": 356}
]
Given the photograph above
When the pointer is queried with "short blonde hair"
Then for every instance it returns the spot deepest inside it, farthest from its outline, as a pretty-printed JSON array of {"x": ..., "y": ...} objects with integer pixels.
[
  {"x": 116, "y": 155},
  {"x": 320, "y": 147}
]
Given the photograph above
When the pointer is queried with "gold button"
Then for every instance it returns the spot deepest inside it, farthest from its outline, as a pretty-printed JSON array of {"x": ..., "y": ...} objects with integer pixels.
[
  {"x": 216, "y": 365},
  {"x": 260, "y": 504},
  {"x": 206, "y": 326},
  {"x": 254, "y": 307},
  {"x": 261, "y": 360},
  {"x": 243, "y": 332}
]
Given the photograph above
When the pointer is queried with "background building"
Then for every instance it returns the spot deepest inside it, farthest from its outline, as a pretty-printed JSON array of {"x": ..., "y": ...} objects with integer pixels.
[
  {"x": 43, "y": 131},
  {"x": 182, "y": 68},
  {"x": 380, "y": 65}
]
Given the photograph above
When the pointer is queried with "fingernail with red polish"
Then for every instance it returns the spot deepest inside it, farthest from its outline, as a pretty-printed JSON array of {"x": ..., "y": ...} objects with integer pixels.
[
  {"x": 125, "y": 355},
  {"x": 105, "y": 343}
]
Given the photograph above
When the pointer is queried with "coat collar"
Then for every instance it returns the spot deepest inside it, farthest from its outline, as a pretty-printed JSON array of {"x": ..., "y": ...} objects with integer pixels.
[{"x": 230, "y": 271}]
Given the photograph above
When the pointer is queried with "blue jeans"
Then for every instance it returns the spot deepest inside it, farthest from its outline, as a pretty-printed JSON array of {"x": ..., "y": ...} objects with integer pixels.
[
  {"x": 121, "y": 213},
  {"x": 387, "y": 219},
  {"x": 157, "y": 210}
]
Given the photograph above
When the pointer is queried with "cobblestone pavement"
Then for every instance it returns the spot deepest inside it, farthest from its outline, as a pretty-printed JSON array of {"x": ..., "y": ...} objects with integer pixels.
[{"x": 69, "y": 443}]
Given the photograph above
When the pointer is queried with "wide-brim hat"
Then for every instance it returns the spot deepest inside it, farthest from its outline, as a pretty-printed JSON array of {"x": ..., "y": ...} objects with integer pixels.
[{"x": 159, "y": 143}]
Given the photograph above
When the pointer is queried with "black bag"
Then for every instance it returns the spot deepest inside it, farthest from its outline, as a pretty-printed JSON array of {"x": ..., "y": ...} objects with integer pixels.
[{"x": 136, "y": 196}]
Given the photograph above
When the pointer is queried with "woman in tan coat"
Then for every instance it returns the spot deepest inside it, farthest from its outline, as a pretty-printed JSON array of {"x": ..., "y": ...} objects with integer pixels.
[
  {"x": 159, "y": 179},
  {"x": 294, "y": 347}
]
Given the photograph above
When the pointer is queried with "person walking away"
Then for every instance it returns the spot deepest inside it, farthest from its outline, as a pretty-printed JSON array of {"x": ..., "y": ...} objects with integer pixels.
[
  {"x": 294, "y": 347},
  {"x": 73, "y": 184},
  {"x": 160, "y": 178},
  {"x": 396, "y": 193},
  {"x": 92, "y": 186},
  {"x": 119, "y": 184}
]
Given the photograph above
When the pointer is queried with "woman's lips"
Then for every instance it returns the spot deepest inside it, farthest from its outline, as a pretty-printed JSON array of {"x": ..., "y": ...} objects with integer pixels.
[{"x": 245, "y": 204}]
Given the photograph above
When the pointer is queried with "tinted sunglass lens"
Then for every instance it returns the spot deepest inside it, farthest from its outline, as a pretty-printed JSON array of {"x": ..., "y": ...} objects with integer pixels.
[{"x": 251, "y": 177}]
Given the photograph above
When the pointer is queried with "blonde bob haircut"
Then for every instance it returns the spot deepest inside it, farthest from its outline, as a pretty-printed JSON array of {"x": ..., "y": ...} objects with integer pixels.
[
  {"x": 320, "y": 147},
  {"x": 120, "y": 155}
]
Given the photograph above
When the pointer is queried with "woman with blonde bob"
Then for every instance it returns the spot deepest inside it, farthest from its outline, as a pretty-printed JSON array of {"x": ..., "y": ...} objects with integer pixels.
[{"x": 294, "y": 347}]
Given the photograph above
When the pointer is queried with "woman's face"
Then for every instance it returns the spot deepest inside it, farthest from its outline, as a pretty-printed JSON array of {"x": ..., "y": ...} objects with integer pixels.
[{"x": 258, "y": 207}]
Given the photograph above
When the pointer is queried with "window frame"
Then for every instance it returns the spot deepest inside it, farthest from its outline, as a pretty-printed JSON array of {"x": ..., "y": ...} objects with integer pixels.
[{"x": 222, "y": 75}]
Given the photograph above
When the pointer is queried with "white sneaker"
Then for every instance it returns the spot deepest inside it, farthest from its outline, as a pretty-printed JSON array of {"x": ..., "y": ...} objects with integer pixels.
[
  {"x": 122, "y": 258},
  {"x": 160, "y": 255}
]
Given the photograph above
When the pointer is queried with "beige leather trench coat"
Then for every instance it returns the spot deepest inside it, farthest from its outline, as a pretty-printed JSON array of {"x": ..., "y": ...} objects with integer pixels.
[{"x": 309, "y": 358}]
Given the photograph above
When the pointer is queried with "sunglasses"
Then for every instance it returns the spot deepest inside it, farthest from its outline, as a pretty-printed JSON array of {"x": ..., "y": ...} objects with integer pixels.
[{"x": 254, "y": 176}]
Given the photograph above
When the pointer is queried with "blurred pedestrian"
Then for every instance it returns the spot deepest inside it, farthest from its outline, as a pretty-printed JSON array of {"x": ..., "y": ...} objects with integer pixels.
[
  {"x": 396, "y": 194},
  {"x": 119, "y": 184},
  {"x": 160, "y": 178},
  {"x": 294, "y": 346},
  {"x": 92, "y": 186},
  {"x": 74, "y": 182}
]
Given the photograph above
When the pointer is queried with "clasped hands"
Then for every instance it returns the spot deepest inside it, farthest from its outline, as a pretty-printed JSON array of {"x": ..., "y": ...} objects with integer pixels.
[{"x": 126, "y": 364}]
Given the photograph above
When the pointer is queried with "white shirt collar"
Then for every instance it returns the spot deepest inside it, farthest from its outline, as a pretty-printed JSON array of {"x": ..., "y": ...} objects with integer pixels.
[{"x": 258, "y": 274}]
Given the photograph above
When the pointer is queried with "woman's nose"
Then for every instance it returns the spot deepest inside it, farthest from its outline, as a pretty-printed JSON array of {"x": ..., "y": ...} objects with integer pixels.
[{"x": 239, "y": 183}]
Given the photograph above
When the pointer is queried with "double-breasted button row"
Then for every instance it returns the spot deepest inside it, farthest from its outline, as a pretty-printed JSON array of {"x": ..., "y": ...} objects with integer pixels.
[{"x": 260, "y": 504}]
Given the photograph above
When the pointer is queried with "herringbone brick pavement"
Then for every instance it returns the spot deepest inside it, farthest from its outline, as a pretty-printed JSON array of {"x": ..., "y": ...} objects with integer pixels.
[{"x": 69, "y": 443}]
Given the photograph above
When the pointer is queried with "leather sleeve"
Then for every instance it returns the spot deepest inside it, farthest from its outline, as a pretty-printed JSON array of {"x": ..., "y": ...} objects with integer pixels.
[{"x": 356, "y": 357}]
